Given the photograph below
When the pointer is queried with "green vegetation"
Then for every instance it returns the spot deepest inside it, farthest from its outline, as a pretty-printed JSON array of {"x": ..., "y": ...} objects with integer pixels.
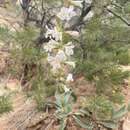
[
  {"x": 5, "y": 104},
  {"x": 103, "y": 54}
]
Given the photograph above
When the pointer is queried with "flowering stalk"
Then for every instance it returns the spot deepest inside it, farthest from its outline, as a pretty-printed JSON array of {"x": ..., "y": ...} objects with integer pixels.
[{"x": 59, "y": 54}]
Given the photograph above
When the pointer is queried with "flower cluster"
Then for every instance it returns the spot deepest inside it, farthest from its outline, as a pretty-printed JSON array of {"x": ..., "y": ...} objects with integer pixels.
[
  {"x": 58, "y": 53},
  {"x": 66, "y": 13}
]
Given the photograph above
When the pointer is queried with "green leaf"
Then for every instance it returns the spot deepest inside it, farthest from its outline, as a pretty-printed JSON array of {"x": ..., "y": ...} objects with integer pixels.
[
  {"x": 67, "y": 97},
  {"x": 58, "y": 99},
  {"x": 128, "y": 107},
  {"x": 85, "y": 112},
  {"x": 120, "y": 113},
  {"x": 62, "y": 124},
  {"x": 68, "y": 108},
  {"x": 61, "y": 115},
  {"x": 5, "y": 34},
  {"x": 86, "y": 125},
  {"x": 110, "y": 124}
]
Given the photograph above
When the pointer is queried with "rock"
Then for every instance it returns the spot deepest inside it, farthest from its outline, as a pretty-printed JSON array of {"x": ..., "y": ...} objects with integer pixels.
[
  {"x": 13, "y": 85},
  {"x": 126, "y": 124}
]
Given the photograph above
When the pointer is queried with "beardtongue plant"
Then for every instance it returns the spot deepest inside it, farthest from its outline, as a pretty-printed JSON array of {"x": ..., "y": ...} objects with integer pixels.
[
  {"x": 59, "y": 53},
  {"x": 60, "y": 59}
]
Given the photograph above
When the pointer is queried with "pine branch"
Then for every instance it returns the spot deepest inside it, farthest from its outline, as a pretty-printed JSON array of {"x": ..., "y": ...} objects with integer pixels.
[{"x": 119, "y": 16}]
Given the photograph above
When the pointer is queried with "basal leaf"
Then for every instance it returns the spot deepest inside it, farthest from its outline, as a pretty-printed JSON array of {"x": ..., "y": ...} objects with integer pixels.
[
  {"x": 86, "y": 125},
  {"x": 67, "y": 97},
  {"x": 109, "y": 124},
  {"x": 120, "y": 113},
  {"x": 128, "y": 107},
  {"x": 85, "y": 112},
  {"x": 63, "y": 124}
]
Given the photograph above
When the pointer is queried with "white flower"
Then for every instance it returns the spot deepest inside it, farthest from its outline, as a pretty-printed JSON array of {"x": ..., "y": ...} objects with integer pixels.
[
  {"x": 70, "y": 78},
  {"x": 66, "y": 13},
  {"x": 69, "y": 49},
  {"x": 54, "y": 62},
  {"x": 61, "y": 56},
  {"x": 66, "y": 89},
  {"x": 53, "y": 33},
  {"x": 50, "y": 45}
]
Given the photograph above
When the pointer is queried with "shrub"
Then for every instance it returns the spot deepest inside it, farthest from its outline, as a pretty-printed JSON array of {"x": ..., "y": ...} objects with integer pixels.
[{"x": 5, "y": 104}]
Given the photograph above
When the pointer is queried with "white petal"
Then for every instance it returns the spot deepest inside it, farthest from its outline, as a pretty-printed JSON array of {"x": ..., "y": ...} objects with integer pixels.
[
  {"x": 66, "y": 89},
  {"x": 66, "y": 13},
  {"x": 70, "y": 78},
  {"x": 61, "y": 56},
  {"x": 69, "y": 49}
]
